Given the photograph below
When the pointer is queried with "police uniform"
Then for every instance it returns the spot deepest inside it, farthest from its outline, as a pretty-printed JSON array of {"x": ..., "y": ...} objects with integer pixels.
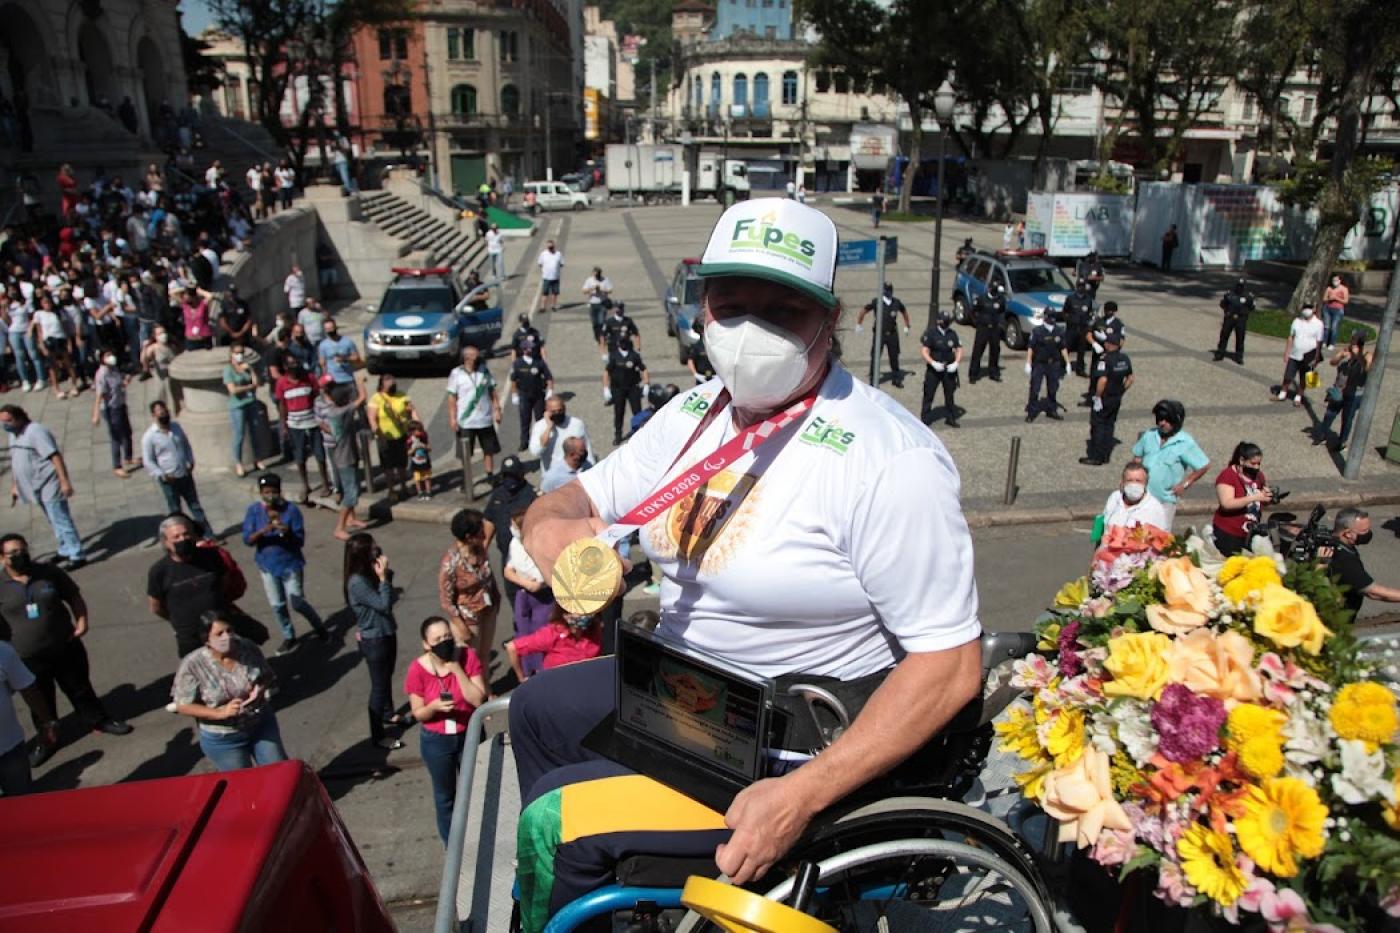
[
  {"x": 1237, "y": 306},
  {"x": 529, "y": 378},
  {"x": 1090, "y": 269},
  {"x": 1079, "y": 311},
  {"x": 697, "y": 355},
  {"x": 1114, "y": 368},
  {"x": 1047, "y": 349},
  {"x": 526, "y": 336},
  {"x": 1102, "y": 330},
  {"x": 625, "y": 382},
  {"x": 615, "y": 326},
  {"x": 889, "y": 308},
  {"x": 988, "y": 313},
  {"x": 942, "y": 343}
]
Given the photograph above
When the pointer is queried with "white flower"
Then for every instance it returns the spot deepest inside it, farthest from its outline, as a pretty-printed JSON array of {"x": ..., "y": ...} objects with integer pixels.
[
  {"x": 1134, "y": 721},
  {"x": 1100, "y": 729},
  {"x": 1033, "y": 672},
  {"x": 1307, "y": 737},
  {"x": 1362, "y": 778}
]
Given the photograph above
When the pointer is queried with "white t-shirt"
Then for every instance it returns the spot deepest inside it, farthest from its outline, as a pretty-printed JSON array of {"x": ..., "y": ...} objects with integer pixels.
[
  {"x": 19, "y": 317},
  {"x": 550, "y": 264},
  {"x": 465, "y": 386},
  {"x": 14, "y": 677},
  {"x": 211, "y": 176},
  {"x": 493, "y": 243},
  {"x": 50, "y": 325},
  {"x": 1306, "y": 334},
  {"x": 573, "y": 427},
  {"x": 254, "y": 177},
  {"x": 295, "y": 287},
  {"x": 286, "y": 177},
  {"x": 848, "y": 550},
  {"x": 1147, "y": 511},
  {"x": 519, "y": 560},
  {"x": 594, "y": 286}
]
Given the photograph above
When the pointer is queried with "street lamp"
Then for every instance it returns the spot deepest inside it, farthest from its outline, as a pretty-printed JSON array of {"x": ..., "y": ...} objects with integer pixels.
[{"x": 943, "y": 103}]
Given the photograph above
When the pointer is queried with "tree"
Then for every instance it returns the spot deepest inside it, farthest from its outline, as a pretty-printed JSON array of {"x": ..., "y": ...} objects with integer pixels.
[
  {"x": 1165, "y": 63},
  {"x": 905, "y": 45},
  {"x": 202, "y": 72}
]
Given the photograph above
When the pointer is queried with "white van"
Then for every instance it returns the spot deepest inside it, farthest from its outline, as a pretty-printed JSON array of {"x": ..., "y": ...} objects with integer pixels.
[{"x": 555, "y": 196}]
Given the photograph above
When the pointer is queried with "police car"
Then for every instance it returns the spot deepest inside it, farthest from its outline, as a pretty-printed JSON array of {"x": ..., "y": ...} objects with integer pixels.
[
  {"x": 1032, "y": 284},
  {"x": 683, "y": 306},
  {"x": 423, "y": 319}
]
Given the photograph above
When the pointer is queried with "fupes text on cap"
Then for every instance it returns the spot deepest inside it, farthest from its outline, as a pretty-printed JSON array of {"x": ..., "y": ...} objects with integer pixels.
[{"x": 762, "y": 234}]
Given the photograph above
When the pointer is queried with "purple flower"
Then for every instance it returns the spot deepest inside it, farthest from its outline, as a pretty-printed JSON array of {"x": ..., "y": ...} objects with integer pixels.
[
  {"x": 1189, "y": 725},
  {"x": 1071, "y": 664}
]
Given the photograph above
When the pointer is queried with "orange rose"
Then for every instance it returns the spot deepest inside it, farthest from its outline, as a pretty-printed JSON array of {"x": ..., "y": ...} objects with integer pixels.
[
  {"x": 1081, "y": 797},
  {"x": 1188, "y": 598},
  {"x": 1220, "y": 666}
]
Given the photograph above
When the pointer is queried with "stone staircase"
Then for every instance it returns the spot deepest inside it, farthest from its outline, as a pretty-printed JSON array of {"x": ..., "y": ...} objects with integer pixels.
[
  {"x": 447, "y": 244},
  {"x": 239, "y": 143}
]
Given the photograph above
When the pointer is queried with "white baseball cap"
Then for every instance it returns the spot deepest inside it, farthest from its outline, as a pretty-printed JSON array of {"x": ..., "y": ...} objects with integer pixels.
[{"x": 777, "y": 239}]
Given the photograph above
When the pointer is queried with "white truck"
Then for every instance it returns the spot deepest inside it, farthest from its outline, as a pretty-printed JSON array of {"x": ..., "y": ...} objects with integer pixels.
[
  {"x": 654, "y": 172},
  {"x": 1068, "y": 225}
]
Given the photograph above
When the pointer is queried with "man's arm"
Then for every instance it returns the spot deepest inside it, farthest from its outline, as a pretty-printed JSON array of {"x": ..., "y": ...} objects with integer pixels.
[
  {"x": 157, "y": 607},
  {"x": 1385, "y": 594},
  {"x": 920, "y": 696},
  {"x": 65, "y": 487}
]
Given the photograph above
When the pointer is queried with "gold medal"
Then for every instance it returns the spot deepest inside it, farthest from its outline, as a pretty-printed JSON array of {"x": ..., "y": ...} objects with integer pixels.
[{"x": 587, "y": 576}]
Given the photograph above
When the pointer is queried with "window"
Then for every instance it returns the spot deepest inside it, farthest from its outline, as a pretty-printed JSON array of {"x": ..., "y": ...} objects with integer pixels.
[
  {"x": 716, "y": 90},
  {"x": 510, "y": 46},
  {"x": 1078, "y": 79},
  {"x": 1250, "y": 108},
  {"x": 461, "y": 44},
  {"x": 770, "y": 32},
  {"x": 386, "y": 45},
  {"x": 454, "y": 44},
  {"x": 1307, "y": 110},
  {"x": 398, "y": 100},
  {"x": 841, "y": 82},
  {"x": 464, "y": 99},
  {"x": 741, "y": 90},
  {"x": 510, "y": 100},
  {"x": 789, "y": 87},
  {"x": 393, "y": 43},
  {"x": 760, "y": 94},
  {"x": 699, "y": 93},
  {"x": 823, "y": 82}
]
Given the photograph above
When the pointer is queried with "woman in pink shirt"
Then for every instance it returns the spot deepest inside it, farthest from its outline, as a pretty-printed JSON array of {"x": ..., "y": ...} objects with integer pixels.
[
  {"x": 198, "y": 334},
  {"x": 566, "y": 639},
  {"x": 444, "y": 686},
  {"x": 1334, "y": 308}
]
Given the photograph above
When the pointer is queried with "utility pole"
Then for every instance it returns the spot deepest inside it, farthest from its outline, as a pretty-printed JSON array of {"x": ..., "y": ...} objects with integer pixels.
[
  {"x": 548, "y": 137},
  {"x": 432, "y": 123},
  {"x": 1356, "y": 451},
  {"x": 653, "y": 100}
]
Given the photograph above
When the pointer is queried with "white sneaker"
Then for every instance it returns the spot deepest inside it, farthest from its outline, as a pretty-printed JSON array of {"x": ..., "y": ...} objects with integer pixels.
[
  {"x": 1282, "y": 395},
  {"x": 40, "y": 386},
  {"x": 28, "y": 386}
]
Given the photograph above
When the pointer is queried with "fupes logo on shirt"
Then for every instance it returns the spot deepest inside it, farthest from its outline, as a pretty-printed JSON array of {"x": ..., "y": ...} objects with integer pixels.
[
  {"x": 696, "y": 405},
  {"x": 763, "y": 235},
  {"x": 828, "y": 434}
]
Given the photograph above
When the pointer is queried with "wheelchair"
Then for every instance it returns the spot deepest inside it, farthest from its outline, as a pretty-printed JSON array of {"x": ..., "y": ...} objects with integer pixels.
[{"x": 902, "y": 854}]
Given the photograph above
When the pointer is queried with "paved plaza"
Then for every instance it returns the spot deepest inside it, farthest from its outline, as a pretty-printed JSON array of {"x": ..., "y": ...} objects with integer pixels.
[{"x": 1171, "y": 325}]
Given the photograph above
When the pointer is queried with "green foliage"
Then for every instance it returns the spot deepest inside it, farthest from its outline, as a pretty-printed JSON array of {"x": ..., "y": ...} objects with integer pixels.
[
  {"x": 1353, "y": 876},
  {"x": 1109, "y": 183},
  {"x": 650, "y": 19},
  {"x": 1275, "y": 322},
  {"x": 1144, "y": 858}
]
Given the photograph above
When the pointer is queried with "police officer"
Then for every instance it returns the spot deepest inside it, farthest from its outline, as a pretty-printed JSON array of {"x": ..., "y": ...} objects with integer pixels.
[
  {"x": 1237, "y": 305},
  {"x": 1106, "y": 325},
  {"x": 942, "y": 352},
  {"x": 696, "y": 359},
  {"x": 526, "y": 335},
  {"x": 625, "y": 381},
  {"x": 1112, "y": 376},
  {"x": 988, "y": 314},
  {"x": 615, "y": 326},
  {"x": 531, "y": 383},
  {"x": 890, "y": 307},
  {"x": 1090, "y": 269},
  {"x": 1047, "y": 357},
  {"x": 1079, "y": 311}
]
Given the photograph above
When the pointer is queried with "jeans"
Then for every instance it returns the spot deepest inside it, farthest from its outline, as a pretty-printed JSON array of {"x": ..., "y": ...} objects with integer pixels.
[
  {"x": 348, "y": 183},
  {"x": 1332, "y": 323},
  {"x": 1348, "y": 408},
  {"x": 257, "y": 744},
  {"x": 286, "y": 588},
  {"x": 380, "y": 654},
  {"x": 15, "y": 778},
  {"x": 241, "y": 417},
  {"x": 66, "y": 667},
  {"x": 442, "y": 755},
  {"x": 70, "y": 543},
  {"x": 118, "y": 433},
  {"x": 27, "y": 358},
  {"x": 182, "y": 487}
]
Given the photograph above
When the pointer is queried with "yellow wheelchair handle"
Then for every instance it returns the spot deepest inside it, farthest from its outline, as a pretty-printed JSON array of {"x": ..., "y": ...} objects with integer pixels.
[{"x": 738, "y": 911}]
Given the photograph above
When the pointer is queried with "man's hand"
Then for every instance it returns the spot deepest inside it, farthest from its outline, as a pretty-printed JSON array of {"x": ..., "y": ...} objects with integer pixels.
[
  {"x": 80, "y": 627},
  {"x": 66, "y": 490},
  {"x": 767, "y": 819},
  {"x": 1179, "y": 489}
]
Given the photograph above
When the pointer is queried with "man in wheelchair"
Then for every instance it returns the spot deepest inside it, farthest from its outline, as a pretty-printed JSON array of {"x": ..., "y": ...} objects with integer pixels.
[{"x": 810, "y": 535}]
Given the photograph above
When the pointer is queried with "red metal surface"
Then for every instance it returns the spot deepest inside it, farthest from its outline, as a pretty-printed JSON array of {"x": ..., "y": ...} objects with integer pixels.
[{"x": 252, "y": 850}]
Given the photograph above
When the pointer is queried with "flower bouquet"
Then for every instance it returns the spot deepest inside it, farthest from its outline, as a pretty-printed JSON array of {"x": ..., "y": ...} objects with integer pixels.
[{"x": 1207, "y": 722}]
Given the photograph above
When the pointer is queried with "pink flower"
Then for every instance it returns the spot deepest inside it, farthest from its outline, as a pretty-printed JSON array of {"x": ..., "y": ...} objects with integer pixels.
[
  {"x": 1172, "y": 886},
  {"x": 1284, "y": 910},
  {"x": 1282, "y": 679},
  {"x": 1031, "y": 673},
  {"x": 1114, "y": 847},
  {"x": 1070, "y": 663},
  {"x": 1391, "y": 902},
  {"x": 1189, "y": 725}
]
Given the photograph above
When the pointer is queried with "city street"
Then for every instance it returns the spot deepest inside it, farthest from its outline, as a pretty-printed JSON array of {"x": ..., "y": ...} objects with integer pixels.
[{"x": 384, "y": 797}]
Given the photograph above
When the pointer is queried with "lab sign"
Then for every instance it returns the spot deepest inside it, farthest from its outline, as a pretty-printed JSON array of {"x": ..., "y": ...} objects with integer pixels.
[{"x": 1073, "y": 224}]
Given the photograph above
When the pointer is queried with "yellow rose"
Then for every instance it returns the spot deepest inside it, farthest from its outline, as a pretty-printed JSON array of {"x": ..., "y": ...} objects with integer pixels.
[
  {"x": 1254, "y": 576},
  {"x": 1216, "y": 666},
  {"x": 1138, "y": 664},
  {"x": 1288, "y": 620},
  {"x": 1187, "y": 597}
]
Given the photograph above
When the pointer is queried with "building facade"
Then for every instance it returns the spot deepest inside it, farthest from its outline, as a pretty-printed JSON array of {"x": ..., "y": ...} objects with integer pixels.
[{"x": 766, "y": 19}]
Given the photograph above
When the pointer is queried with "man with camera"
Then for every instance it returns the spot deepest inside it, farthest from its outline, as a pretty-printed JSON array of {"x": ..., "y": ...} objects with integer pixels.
[{"x": 1352, "y": 530}]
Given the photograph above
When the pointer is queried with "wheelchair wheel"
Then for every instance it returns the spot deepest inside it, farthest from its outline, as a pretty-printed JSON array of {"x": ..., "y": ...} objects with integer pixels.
[{"x": 917, "y": 864}]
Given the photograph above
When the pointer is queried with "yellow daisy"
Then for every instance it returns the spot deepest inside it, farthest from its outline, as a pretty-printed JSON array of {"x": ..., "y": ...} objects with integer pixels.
[
  {"x": 1282, "y": 822},
  {"x": 1365, "y": 711},
  {"x": 1208, "y": 861}
]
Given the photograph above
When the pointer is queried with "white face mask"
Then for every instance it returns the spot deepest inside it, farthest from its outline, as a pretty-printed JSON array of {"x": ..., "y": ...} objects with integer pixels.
[
  {"x": 110, "y": 359},
  {"x": 220, "y": 643},
  {"x": 162, "y": 338},
  {"x": 760, "y": 363},
  {"x": 1307, "y": 314},
  {"x": 1133, "y": 492}
]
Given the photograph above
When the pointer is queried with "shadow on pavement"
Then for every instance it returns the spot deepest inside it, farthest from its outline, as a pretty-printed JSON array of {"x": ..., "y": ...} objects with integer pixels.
[
  {"x": 181, "y": 754},
  {"x": 67, "y": 775},
  {"x": 361, "y": 763},
  {"x": 122, "y": 534}
]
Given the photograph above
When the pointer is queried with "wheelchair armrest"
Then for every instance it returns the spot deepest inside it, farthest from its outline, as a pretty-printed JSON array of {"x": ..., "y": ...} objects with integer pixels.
[{"x": 999, "y": 647}]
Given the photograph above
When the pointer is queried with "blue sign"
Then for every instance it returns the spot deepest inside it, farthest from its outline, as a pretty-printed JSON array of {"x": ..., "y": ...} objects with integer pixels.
[{"x": 856, "y": 253}]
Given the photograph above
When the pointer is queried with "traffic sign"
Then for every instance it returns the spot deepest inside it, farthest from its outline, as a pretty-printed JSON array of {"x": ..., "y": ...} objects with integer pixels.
[
  {"x": 856, "y": 253},
  {"x": 891, "y": 249}
]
